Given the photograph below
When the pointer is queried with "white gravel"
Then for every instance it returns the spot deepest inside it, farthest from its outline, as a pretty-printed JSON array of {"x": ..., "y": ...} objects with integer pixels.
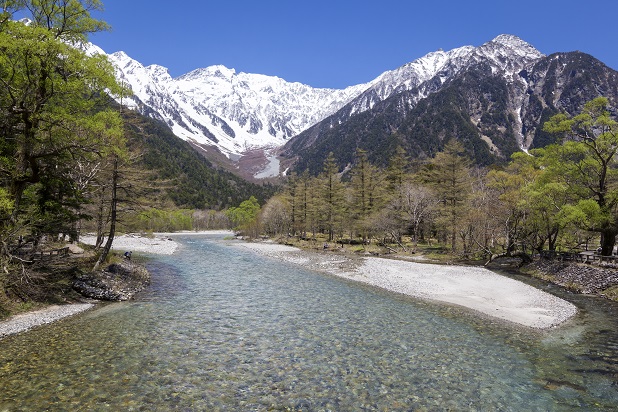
[
  {"x": 159, "y": 244},
  {"x": 26, "y": 321},
  {"x": 475, "y": 288}
]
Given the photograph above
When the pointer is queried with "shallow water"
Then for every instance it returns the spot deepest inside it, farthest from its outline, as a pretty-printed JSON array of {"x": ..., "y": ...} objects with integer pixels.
[{"x": 224, "y": 329}]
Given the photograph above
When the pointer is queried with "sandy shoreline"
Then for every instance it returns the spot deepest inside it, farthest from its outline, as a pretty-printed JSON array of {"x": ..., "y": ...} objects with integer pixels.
[
  {"x": 161, "y": 243},
  {"x": 475, "y": 288}
]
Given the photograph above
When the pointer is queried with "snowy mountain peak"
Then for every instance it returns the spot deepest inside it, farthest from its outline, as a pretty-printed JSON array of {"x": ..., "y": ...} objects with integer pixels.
[
  {"x": 120, "y": 56},
  {"x": 508, "y": 53},
  {"x": 511, "y": 41},
  {"x": 217, "y": 71},
  {"x": 216, "y": 106},
  {"x": 159, "y": 72}
]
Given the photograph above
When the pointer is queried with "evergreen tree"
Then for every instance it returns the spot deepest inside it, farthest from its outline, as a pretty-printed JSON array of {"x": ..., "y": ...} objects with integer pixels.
[
  {"x": 448, "y": 174},
  {"x": 331, "y": 196}
]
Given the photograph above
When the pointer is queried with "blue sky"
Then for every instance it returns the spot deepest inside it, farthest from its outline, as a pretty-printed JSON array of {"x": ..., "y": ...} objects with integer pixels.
[{"x": 339, "y": 43}]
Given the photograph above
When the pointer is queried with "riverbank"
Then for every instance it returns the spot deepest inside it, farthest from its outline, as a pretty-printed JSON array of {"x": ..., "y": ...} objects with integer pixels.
[
  {"x": 577, "y": 277},
  {"x": 26, "y": 321},
  {"x": 474, "y": 288},
  {"x": 160, "y": 243}
]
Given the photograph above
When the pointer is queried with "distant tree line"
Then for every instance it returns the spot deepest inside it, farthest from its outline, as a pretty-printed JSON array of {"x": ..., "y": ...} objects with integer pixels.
[{"x": 561, "y": 197}]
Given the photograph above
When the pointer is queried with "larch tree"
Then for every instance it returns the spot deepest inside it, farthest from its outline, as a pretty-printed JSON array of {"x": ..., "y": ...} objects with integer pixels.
[
  {"x": 448, "y": 175},
  {"x": 290, "y": 197},
  {"x": 331, "y": 196},
  {"x": 367, "y": 192}
]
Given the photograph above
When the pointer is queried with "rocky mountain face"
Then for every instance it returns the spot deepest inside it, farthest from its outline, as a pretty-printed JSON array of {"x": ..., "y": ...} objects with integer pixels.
[
  {"x": 492, "y": 97},
  {"x": 233, "y": 112}
]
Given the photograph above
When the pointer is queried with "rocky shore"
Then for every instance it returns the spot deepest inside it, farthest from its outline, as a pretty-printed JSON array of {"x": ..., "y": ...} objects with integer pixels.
[
  {"x": 117, "y": 282},
  {"x": 577, "y": 277}
]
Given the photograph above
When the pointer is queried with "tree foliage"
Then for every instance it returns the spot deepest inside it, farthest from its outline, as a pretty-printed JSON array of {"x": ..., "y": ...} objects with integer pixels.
[
  {"x": 562, "y": 197},
  {"x": 245, "y": 216},
  {"x": 52, "y": 99},
  {"x": 586, "y": 164}
]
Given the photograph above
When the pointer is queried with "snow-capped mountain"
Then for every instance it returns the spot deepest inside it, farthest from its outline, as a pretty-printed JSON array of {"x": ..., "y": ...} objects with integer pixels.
[
  {"x": 236, "y": 112},
  {"x": 493, "y": 98},
  {"x": 506, "y": 54}
]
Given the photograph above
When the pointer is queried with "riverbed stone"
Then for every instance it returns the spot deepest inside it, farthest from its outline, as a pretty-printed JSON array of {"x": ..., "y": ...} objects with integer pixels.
[
  {"x": 117, "y": 282},
  {"x": 578, "y": 277}
]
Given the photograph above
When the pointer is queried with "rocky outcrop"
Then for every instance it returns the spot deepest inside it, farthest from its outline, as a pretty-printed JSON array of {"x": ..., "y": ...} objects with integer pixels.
[{"x": 117, "y": 282}]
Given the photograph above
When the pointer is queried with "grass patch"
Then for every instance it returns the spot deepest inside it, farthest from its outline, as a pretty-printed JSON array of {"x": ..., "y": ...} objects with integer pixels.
[{"x": 611, "y": 293}]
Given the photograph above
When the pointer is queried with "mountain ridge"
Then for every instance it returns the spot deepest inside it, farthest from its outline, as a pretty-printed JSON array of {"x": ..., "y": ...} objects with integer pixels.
[
  {"x": 239, "y": 114},
  {"x": 491, "y": 114}
]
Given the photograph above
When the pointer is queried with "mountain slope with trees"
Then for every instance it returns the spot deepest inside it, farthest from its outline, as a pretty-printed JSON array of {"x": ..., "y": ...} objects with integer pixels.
[
  {"x": 186, "y": 177},
  {"x": 493, "y": 116}
]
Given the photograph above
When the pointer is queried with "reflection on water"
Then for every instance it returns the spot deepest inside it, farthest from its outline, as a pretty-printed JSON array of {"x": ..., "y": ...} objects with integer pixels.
[{"x": 223, "y": 329}]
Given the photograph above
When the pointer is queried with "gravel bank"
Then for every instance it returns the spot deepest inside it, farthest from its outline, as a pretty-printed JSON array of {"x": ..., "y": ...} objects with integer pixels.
[
  {"x": 26, "y": 321},
  {"x": 160, "y": 244},
  {"x": 475, "y": 288}
]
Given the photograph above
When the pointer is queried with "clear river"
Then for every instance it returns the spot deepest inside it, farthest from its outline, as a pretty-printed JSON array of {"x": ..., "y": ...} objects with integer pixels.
[{"x": 224, "y": 329}]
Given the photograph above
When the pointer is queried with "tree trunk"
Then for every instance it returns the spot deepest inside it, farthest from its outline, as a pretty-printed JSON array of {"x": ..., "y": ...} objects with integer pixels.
[
  {"x": 608, "y": 239},
  {"x": 112, "y": 225}
]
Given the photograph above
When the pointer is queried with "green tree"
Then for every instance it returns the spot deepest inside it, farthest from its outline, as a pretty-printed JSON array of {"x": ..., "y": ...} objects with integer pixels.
[
  {"x": 245, "y": 216},
  {"x": 586, "y": 164},
  {"x": 448, "y": 175},
  {"x": 50, "y": 93},
  {"x": 331, "y": 196}
]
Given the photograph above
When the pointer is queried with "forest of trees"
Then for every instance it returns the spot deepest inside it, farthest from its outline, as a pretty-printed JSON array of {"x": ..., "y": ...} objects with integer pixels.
[{"x": 561, "y": 197}]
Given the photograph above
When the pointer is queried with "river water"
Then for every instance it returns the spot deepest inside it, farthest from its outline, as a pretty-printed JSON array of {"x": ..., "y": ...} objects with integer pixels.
[{"x": 224, "y": 329}]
